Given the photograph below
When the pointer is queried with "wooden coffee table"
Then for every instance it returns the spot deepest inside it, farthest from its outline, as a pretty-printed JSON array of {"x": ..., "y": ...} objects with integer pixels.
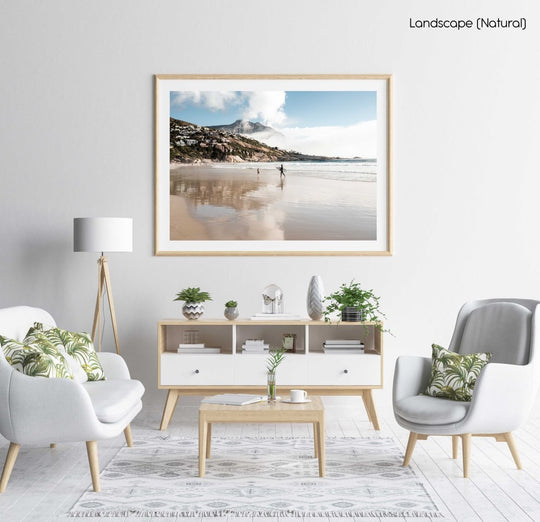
[{"x": 310, "y": 412}]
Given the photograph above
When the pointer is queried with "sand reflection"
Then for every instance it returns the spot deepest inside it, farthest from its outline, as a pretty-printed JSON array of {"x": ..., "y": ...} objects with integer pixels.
[{"x": 239, "y": 204}]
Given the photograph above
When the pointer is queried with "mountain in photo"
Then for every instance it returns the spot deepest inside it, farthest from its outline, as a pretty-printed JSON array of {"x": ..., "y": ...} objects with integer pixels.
[
  {"x": 251, "y": 129},
  {"x": 190, "y": 143}
]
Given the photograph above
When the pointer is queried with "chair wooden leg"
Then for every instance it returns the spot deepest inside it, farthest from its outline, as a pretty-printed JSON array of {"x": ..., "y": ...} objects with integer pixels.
[
  {"x": 513, "y": 450},
  {"x": 455, "y": 446},
  {"x": 466, "y": 450},
  {"x": 93, "y": 460},
  {"x": 127, "y": 434},
  {"x": 410, "y": 447},
  {"x": 11, "y": 457}
]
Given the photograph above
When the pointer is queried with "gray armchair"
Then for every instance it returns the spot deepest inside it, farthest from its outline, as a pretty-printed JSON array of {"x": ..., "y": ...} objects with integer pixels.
[{"x": 505, "y": 390}]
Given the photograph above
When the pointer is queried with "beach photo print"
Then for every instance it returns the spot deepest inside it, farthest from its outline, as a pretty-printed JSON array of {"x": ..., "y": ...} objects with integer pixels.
[{"x": 273, "y": 165}]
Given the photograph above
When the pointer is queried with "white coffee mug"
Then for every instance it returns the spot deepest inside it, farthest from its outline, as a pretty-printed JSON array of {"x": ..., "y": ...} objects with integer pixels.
[{"x": 298, "y": 395}]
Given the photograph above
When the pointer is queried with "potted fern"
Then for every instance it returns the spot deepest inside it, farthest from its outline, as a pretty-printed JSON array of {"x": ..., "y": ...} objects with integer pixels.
[
  {"x": 193, "y": 301},
  {"x": 353, "y": 303}
]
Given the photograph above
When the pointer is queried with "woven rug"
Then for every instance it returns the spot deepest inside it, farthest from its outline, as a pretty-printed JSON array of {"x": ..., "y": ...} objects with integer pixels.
[{"x": 258, "y": 477}]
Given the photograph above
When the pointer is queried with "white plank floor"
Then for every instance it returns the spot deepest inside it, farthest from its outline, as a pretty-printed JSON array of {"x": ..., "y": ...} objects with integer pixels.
[{"x": 45, "y": 482}]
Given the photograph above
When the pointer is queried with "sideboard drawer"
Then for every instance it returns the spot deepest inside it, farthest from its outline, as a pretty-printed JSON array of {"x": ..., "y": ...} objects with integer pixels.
[
  {"x": 251, "y": 370},
  {"x": 341, "y": 370},
  {"x": 196, "y": 370}
]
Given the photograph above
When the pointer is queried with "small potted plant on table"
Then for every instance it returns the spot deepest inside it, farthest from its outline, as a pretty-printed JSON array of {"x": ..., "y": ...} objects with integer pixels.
[
  {"x": 231, "y": 310},
  {"x": 193, "y": 302}
]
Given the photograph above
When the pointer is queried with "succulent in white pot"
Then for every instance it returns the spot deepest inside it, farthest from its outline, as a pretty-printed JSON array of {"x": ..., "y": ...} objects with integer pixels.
[{"x": 194, "y": 300}]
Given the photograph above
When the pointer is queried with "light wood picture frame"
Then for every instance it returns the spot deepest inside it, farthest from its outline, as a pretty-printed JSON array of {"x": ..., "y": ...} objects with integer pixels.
[{"x": 273, "y": 165}]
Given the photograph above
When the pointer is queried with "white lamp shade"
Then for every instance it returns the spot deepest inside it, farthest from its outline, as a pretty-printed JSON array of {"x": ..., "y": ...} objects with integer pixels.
[{"x": 102, "y": 234}]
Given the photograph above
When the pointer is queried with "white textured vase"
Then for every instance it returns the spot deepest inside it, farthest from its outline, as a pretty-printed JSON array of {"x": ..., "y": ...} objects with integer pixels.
[{"x": 315, "y": 295}]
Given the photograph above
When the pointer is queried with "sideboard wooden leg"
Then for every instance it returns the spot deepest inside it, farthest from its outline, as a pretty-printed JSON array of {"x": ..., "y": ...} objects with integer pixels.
[
  {"x": 170, "y": 406},
  {"x": 367, "y": 397}
]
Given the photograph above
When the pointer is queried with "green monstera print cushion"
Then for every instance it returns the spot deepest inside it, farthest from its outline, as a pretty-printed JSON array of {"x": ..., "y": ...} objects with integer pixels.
[
  {"x": 453, "y": 376},
  {"x": 37, "y": 358},
  {"x": 78, "y": 347}
]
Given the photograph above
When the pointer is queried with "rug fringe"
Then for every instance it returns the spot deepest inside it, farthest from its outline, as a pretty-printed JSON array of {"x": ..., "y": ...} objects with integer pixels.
[
  {"x": 271, "y": 513},
  {"x": 285, "y": 437}
]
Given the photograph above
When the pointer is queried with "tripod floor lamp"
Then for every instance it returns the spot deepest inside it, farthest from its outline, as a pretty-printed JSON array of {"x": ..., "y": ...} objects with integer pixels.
[{"x": 103, "y": 235}]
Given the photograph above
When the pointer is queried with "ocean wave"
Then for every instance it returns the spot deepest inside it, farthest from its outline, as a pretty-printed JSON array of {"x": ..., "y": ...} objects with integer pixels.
[{"x": 353, "y": 170}]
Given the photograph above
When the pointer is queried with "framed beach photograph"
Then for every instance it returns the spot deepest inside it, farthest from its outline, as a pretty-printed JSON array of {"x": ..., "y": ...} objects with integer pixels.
[{"x": 273, "y": 165}]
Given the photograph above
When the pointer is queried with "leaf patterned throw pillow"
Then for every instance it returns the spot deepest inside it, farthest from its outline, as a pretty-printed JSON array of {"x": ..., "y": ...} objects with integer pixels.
[
  {"x": 78, "y": 346},
  {"x": 453, "y": 376},
  {"x": 38, "y": 358}
]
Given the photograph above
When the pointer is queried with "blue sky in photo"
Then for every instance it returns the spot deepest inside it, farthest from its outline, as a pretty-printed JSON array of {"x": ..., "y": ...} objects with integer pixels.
[{"x": 300, "y": 108}]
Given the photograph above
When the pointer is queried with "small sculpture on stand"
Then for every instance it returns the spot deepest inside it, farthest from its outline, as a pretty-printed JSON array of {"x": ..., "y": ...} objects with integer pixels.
[{"x": 272, "y": 300}]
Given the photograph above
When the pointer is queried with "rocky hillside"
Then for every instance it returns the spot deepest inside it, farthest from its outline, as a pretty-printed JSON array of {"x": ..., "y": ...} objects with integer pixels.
[{"x": 191, "y": 143}]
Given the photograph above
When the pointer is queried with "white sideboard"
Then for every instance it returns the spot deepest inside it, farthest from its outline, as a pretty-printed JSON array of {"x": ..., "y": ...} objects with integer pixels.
[{"x": 232, "y": 371}]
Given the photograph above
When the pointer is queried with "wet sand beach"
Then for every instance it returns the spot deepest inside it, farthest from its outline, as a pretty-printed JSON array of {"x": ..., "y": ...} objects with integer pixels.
[{"x": 233, "y": 202}]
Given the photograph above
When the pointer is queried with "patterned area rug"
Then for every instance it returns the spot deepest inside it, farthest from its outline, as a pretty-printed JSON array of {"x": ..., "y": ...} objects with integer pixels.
[{"x": 258, "y": 477}]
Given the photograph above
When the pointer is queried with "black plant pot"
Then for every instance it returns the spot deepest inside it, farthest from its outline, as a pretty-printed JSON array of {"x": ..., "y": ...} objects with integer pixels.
[{"x": 351, "y": 314}]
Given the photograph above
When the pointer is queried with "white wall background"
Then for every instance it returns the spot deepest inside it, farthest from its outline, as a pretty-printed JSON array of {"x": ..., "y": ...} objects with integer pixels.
[{"x": 76, "y": 139}]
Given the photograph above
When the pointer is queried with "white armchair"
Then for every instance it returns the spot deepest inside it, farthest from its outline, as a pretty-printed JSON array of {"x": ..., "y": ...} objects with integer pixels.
[
  {"x": 37, "y": 410},
  {"x": 505, "y": 390}
]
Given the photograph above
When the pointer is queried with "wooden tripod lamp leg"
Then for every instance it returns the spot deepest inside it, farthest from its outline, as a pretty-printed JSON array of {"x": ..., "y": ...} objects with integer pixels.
[
  {"x": 107, "y": 277},
  {"x": 104, "y": 280},
  {"x": 97, "y": 311}
]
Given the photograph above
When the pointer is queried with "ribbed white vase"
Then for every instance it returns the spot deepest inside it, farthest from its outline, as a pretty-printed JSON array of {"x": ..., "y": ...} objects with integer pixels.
[{"x": 315, "y": 297}]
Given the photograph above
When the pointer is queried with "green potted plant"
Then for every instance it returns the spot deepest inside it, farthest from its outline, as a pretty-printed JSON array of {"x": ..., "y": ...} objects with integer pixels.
[
  {"x": 353, "y": 303},
  {"x": 231, "y": 310},
  {"x": 193, "y": 301},
  {"x": 275, "y": 358}
]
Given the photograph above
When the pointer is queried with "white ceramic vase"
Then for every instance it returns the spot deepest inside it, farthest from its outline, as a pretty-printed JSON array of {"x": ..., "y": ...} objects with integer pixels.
[
  {"x": 192, "y": 310},
  {"x": 315, "y": 295}
]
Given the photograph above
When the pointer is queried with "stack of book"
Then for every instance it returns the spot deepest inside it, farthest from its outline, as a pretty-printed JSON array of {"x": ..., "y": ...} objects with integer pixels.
[
  {"x": 196, "y": 348},
  {"x": 343, "y": 346},
  {"x": 255, "y": 346}
]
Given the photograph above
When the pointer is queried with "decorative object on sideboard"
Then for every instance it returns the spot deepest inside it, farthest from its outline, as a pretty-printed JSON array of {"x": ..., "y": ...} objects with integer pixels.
[
  {"x": 315, "y": 295},
  {"x": 231, "y": 310},
  {"x": 288, "y": 342},
  {"x": 193, "y": 299},
  {"x": 354, "y": 304},
  {"x": 272, "y": 300},
  {"x": 103, "y": 234},
  {"x": 274, "y": 360},
  {"x": 191, "y": 336}
]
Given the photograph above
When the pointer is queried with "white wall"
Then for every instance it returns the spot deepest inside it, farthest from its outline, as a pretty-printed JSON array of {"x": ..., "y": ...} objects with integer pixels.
[{"x": 76, "y": 139}]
